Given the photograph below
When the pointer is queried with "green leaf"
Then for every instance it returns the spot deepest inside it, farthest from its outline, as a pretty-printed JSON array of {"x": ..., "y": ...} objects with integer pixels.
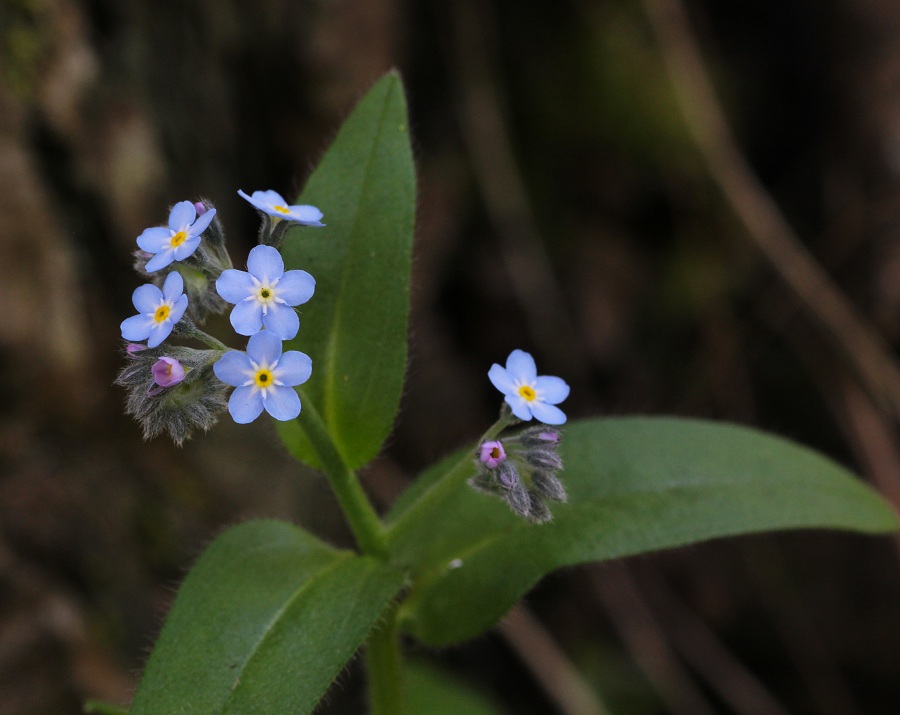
[
  {"x": 263, "y": 624},
  {"x": 354, "y": 328},
  {"x": 431, "y": 691},
  {"x": 635, "y": 485}
]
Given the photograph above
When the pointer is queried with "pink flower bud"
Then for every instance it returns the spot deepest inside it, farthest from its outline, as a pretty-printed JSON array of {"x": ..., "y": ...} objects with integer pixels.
[
  {"x": 167, "y": 371},
  {"x": 491, "y": 454}
]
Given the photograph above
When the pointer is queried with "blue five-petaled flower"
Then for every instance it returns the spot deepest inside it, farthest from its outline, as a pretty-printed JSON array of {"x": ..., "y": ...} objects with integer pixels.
[
  {"x": 265, "y": 296},
  {"x": 272, "y": 203},
  {"x": 158, "y": 311},
  {"x": 264, "y": 378},
  {"x": 528, "y": 394},
  {"x": 179, "y": 240}
]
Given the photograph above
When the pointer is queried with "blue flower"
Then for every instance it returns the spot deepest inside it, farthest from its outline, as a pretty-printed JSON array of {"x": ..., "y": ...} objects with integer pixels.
[
  {"x": 179, "y": 240},
  {"x": 264, "y": 378},
  {"x": 265, "y": 296},
  {"x": 272, "y": 203},
  {"x": 528, "y": 394},
  {"x": 158, "y": 311}
]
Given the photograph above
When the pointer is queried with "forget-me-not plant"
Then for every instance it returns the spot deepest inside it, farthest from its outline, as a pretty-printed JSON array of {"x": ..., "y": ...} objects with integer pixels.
[
  {"x": 265, "y": 295},
  {"x": 179, "y": 240},
  {"x": 264, "y": 378},
  {"x": 273, "y": 204},
  {"x": 185, "y": 388},
  {"x": 158, "y": 311},
  {"x": 528, "y": 394}
]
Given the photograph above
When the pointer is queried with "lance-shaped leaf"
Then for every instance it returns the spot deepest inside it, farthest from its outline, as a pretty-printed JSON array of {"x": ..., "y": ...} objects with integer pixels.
[
  {"x": 635, "y": 485},
  {"x": 354, "y": 328},
  {"x": 263, "y": 624}
]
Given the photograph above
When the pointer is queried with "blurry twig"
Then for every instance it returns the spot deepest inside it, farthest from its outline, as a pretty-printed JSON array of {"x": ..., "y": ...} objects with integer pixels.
[
  {"x": 873, "y": 441},
  {"x": 770, "y": 232},
  {"x": 644, "y": 637},
  {"x": 552, "y": 668},
  {"x": 499, "y": 179},
  {"x": 701, "y": 647},
  {"x": 829, "y": 693}
]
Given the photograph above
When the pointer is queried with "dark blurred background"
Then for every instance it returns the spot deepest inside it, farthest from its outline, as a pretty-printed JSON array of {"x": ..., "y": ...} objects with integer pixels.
[{"x": 564, "y": 208}]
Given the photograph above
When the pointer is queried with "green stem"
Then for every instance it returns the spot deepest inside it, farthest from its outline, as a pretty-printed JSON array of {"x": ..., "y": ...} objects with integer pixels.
[
  {"x": 188, "y": 329},
  {"x": 450, "y": 482},
  {"x": 364, "y": 522},
  {"x": 384, "y": 663}
]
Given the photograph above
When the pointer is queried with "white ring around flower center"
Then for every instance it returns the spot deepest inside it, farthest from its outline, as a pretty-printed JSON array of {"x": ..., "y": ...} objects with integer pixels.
[{"x": 270, "y": 380}]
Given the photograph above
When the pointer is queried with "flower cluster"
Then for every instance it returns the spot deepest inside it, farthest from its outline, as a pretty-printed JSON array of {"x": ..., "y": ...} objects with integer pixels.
[
  {"x": 521, "y": 469},
  {"x": 177, "y": 389}
]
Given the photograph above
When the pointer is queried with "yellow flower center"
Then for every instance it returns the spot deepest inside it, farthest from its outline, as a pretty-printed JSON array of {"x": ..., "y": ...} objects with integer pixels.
[
  {"x": 266, "y": 294},
  {"x": 162, "y": 313},
  {"x": 263, "y": 378},
  {"x": 495, "y": 453},
  {"x": 282, "y": 209},
  {"x": 178, "y": 239},
  {"x": 527, "y": 393}
]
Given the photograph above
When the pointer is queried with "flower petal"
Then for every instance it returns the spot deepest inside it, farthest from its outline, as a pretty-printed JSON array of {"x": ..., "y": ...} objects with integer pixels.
[
  {"x": 202, "y": 222},
  {"x": 178, "y": 310},
  {"x": 187, "y": 248},
  {"x": 182, "y": 215},
  {"x": 269, "y": 198},
  {"x": 245, "y": 405},
  {"x": 173, "y": 287},
  {"x": 158, "y": 333},
  {"x": 137, "y": 327},
  {"x": 306, "y": 214},
  {"x": 520, "y": 366},
  {"x": 520, "y": 408},
  {"x": 282, "y": 320},
  {"x": 153, "y": 240},
  {"x": 283, "y": 403},
  {"x": 501, "y": 380},
  {"x": 265, "y": 263},
  {"x": 146, "y": 298},
  {"x": 160, "y": 260},
  {"x": 548, "y": 414},
  {"x": 294, "y": 368},
  {"x": 233, "y": 368},
  {"x": 246, "y": 317},
  {"x": 234, "y": 285},
  {"x": 551, "y": 390},
  {"x": 264, "y": 348},
  {"x": 296, "y": 287}
]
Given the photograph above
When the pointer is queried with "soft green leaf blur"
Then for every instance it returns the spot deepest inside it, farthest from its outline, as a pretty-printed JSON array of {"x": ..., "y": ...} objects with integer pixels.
[
  {"x": 431, "y": 691},
  {"x": 266, "y": 599},
  {"x": 635, "y": 485},
  {"x": 355, "y": 326}
]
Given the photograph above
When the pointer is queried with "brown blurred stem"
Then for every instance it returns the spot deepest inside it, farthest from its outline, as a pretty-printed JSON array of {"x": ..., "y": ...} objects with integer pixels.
[
  {"x": 645, "y": 639},
  {"x": 859, "y": 345},
  {"x": 548, "y": 663},
  {"x": 483, "y": 124},
  {"x": 709, "y": 657}
]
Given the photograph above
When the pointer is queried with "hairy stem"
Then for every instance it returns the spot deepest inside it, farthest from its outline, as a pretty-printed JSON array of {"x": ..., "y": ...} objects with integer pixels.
[
  {"x": 385, "y": 668},
  {"x": 358, "y": 510},
  {"x": 448, "y": 483}
]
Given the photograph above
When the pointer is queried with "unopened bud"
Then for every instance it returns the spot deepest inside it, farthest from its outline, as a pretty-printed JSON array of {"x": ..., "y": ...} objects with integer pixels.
[
  {"x": 548, "y": 486},
  {"x": 167, "y": 371},
  {"x": 544, "y": 459}
]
